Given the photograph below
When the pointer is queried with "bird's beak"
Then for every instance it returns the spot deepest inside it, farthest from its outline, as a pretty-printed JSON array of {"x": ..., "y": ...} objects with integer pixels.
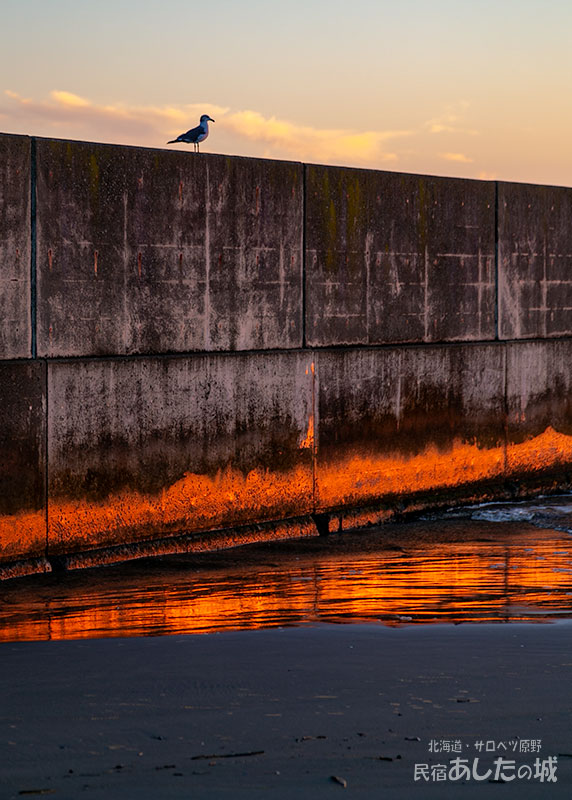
[{"x": 211, "y": 119}]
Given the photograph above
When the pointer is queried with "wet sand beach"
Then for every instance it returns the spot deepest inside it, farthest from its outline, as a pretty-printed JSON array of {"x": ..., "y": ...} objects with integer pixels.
[{"x": 280, "y": 713}]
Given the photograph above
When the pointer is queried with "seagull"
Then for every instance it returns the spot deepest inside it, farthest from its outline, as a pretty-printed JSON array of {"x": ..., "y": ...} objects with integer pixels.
[{"x": 195, "y": 135}]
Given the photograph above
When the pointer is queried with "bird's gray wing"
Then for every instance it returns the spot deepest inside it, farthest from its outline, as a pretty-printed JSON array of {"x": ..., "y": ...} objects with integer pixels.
[{"x": 192, "y": 135}]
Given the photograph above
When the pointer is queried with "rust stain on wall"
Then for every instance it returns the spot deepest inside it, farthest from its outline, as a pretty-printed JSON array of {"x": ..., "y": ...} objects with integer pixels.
[{"x": 308, "y": 440}]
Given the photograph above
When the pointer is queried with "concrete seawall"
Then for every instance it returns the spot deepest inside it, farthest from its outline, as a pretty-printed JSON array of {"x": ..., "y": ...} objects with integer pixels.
[{"x": 198, "y": 350}]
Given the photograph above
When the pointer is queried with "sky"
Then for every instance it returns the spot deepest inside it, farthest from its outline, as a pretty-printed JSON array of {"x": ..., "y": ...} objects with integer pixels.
[{"x": 468, "y": 88}]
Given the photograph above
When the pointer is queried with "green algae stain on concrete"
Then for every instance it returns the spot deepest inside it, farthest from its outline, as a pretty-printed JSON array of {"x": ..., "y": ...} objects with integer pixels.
[
  {"x": 332, "y": 236},
  {"x": 331, "y": 220},
  {"x": 93, "y": 168},
  {"x": 354, "y": 212}
]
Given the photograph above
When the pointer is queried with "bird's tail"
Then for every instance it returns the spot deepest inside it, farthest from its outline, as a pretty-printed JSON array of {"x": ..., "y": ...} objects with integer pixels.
[{"x": 173, "y": 141}]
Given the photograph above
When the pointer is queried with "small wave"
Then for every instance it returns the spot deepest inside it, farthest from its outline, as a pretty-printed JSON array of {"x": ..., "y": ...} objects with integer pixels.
[
  {"x": 510, "y": 514},
  {"x": 543, "y": 512}
]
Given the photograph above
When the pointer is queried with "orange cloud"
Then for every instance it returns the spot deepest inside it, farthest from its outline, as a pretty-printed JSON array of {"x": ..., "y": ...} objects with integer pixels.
[
  {"x": 461, "y": 157},
  {"x": 69, "y": 99},
  {"x": 308, "y": 143},
  {"x": 68, "y": 115},
  {"x": 246, "y": 132},
  {"x": 451, "y": 121}
]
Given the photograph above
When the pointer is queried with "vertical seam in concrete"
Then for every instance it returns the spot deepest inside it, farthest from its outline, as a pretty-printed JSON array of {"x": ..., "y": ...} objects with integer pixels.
[
  {"x": 33, "y": 250},
  {"x": 497, "y": 241},
  {"x": 505, "y": 409},
  {"x": 207, "y": 307},
  {"x": 46, "y": 464},
  {"x": 368, "y": 248},
  {"x": 426, "y": 296},
  {"x": 544, "y": 289},
  {"x": 303, "y": 245},
  {"x": 315, "y": 438},
  {"x": 128, "y": 339}
]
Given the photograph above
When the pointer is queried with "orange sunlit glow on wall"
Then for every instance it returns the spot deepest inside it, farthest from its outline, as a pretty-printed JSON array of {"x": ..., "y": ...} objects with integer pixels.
[
  {"x": 361, "y": 479},
  {"x": 195, "y": 502},
  {"x": 22, "y": 535},
  {"x": 525, "y": 577},
  {"x": 200, "y": 502},
  {"x": 542, "y": 452}
]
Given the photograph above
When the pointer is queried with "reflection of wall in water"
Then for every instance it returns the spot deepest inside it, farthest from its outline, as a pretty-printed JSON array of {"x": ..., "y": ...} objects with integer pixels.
[{"x": 522, "y": 576}]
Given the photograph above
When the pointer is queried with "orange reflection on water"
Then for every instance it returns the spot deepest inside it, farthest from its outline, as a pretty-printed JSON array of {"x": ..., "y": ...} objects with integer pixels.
[{"x": 525, "y": 577}]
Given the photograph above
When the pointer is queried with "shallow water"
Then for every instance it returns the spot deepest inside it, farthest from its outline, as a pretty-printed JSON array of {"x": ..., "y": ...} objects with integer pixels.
[
  {"x": 544, "y": 512},
  {"x": 484, "y": 563}
]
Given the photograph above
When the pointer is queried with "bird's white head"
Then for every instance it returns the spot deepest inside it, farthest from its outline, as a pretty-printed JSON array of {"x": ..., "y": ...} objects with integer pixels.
[{"x": 206, "y": 118}]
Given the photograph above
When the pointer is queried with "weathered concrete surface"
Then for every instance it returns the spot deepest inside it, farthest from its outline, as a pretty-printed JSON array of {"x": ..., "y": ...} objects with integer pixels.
[
  {"x": 539, "y": 403},
  {"x": 154, "y": 252},
  {"x": 147, "y": 251},
  {"x": 398, "y": 258},
  {"x": 15, "y": 244},
  {"x": 397, "y": 422},
  {"x": 146, "y": 447},
  {"x": 535, "y": 261},
  {"x": 22, "y": 462}
]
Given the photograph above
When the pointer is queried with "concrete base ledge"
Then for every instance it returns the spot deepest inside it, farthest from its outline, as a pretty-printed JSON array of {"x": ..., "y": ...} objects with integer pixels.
[
  {"x": 28, "y": 566},
  {"x": 187, "y": 543}
]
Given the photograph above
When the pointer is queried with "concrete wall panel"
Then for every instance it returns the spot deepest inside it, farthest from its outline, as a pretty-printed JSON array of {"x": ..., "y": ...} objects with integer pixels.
[
  {"x": 535, "y": 261},
  {"x": 153, "y": 253},
  {"x": 539, "y": 402},
  {"x": 398, "y": 258},
  {"x": 146, "y": 251},
  {"x": 397, "y": 422},
  {"x": 22, "y": 465},
  {"x": 146, "y": 447},
  {"x": 15, "y": 247}
]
